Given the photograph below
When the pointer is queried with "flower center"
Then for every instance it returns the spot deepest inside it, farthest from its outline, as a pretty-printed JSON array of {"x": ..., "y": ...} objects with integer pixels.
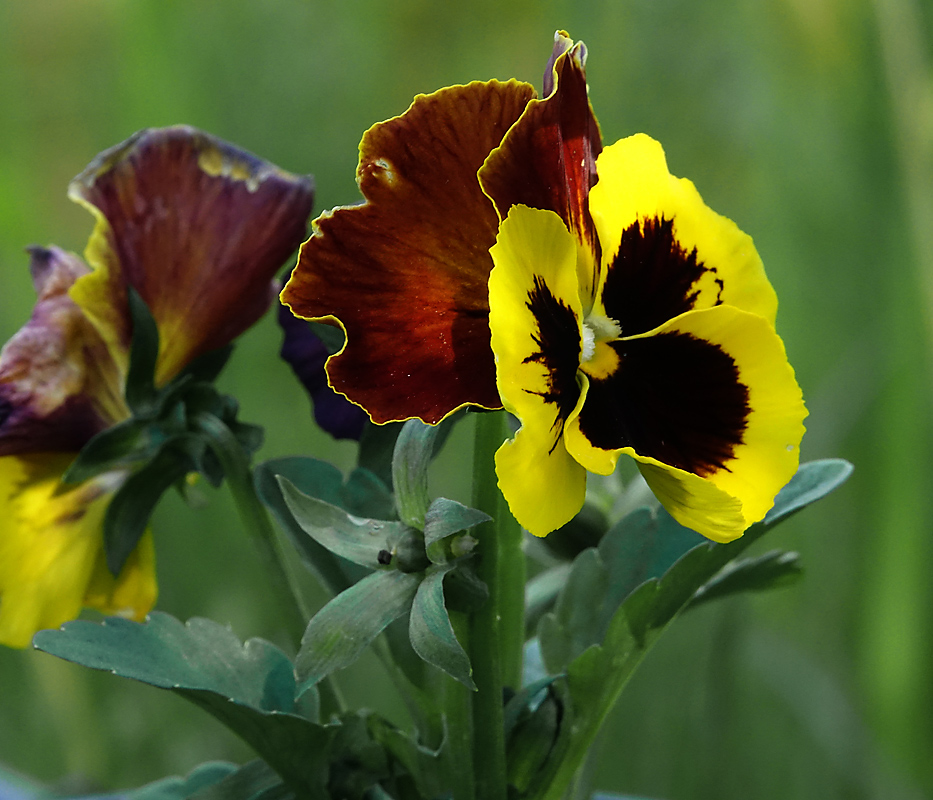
[{"x": 597, "y": 358}]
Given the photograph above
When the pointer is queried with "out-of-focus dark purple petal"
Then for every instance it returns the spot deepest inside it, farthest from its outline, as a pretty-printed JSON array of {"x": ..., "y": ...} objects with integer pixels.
[
  {"x": 306, "y": 354},
  {"x": 58, "y": 384}
]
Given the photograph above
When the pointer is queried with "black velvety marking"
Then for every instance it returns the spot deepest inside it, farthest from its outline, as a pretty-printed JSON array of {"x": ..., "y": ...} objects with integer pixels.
[
  {"x": 674, "y": 397},
  {"x": 558, "y": 341},
  {"x": 6, "y": 408},
  {"x": 652, "y": 278}
]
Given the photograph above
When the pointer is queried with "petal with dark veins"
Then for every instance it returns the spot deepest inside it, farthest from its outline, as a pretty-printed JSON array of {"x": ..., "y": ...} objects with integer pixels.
[
  {"x": 405, "y": 273},
  {"x": 198, "y": 227}
]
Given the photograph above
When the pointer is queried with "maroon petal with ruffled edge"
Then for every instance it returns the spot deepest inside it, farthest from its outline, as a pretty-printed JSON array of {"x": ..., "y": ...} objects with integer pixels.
[
  {"x": 198, "y": 227},
  {"x": 406, "y": 272},
  {"x": 58, "y": 383},
  {"x": 548, "y": 159}
]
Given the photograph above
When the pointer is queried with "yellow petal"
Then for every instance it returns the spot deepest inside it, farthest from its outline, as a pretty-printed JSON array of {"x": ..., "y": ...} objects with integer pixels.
[
  {"x": 694, "y": 502},
  {"x": 636, "y": 189},
  {"x": 50, "y": 544},
  {"x": 708, "y": 398},
  {"x": 544, "y": 487},
  {"x": 535, "y": 320}
]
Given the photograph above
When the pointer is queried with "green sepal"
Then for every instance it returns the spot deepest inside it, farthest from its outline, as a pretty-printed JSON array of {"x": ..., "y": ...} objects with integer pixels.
[
  {"x": 443, "y": 519},
  {"x": 122, "y": 445},
  {"x": 339, "y": 633},
  {"x": 250, "y": 688},
  {"x": 129, "y": 512},
  {"x": 140, "y": 392},
  {"x": 206, "y": 368},
  {"x": 362, "y": 541},
  {"x": 774, "y": 569},
  {"x": 431, "y": 634},
  {"x": 414, "y": 450}
]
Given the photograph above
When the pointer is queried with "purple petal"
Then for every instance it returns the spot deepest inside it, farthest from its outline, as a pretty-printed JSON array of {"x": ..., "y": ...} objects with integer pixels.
[{"x": 306, "y": 354}]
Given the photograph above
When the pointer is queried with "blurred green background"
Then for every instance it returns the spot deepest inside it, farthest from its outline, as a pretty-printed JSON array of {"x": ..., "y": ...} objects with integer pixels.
[{"x": 809, "y": 122}]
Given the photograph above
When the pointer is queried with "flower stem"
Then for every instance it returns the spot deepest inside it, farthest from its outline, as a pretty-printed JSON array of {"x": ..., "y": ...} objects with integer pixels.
[
  {"x": 256, "y": 521},
  {"x": 497, "y": 628}
]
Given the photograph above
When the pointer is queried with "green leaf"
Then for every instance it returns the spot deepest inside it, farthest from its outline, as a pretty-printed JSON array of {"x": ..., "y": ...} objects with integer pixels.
[
  {"x": 524, "y": 702},
  {"x": 613, "y": 796},
  {"x": 432, "y": 636},
  {"x": 140, "y": 389},
  {"x": 252, "y": 781},
  {"x": 175, "y": 788},
  {"x": 413, "y": 452},
  {"x": 422, "y": 763},
  {"x": 14, "y": 786},
  {"x": 541, "y": 594},
  {"x": 573, "y": 626},
  {"x": 769, "y": 571},
  {"x": 362, "y": 541},
  {"x": 250, "y": 688},
  {"x": 597, "y": 675},
  {"x": 642, "y": 545},
  {"x": 377, "y": 444},
  {"x": 584, "y": 530},
  {"x": 366, "y": 495},
  {"x": 813, "y": 481},
  {"x": 339, "y": 633}
]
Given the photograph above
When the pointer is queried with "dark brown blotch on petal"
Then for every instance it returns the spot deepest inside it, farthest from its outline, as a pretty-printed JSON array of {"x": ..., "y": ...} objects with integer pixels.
[
  {"x": 558, "y": 340},
  {"x": 673, "y": 397},
  {"x": 652, "y": 278},
  {"x": 406, "y": 272}
]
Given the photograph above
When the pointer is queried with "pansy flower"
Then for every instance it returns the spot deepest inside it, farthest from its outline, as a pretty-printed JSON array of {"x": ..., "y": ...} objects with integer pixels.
[
  {"x": 198, "y": 228},
  {"x": 590, "y": 292}
]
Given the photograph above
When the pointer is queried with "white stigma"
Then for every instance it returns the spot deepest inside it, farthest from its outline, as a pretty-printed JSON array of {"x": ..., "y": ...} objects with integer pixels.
[
  {"x": 589, "y": 344},
  {"x": 597, "y": 328}
]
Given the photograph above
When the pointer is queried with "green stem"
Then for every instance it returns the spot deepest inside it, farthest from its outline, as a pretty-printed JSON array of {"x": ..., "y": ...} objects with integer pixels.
[
  {"x": 497, "y": 628},
  {"x": 256, "y": 521},
  {"x": 458, "y": 714}
]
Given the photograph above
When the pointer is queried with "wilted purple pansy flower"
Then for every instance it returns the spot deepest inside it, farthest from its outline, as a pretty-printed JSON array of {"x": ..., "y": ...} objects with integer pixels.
[{"x": 198, "y": 228}]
